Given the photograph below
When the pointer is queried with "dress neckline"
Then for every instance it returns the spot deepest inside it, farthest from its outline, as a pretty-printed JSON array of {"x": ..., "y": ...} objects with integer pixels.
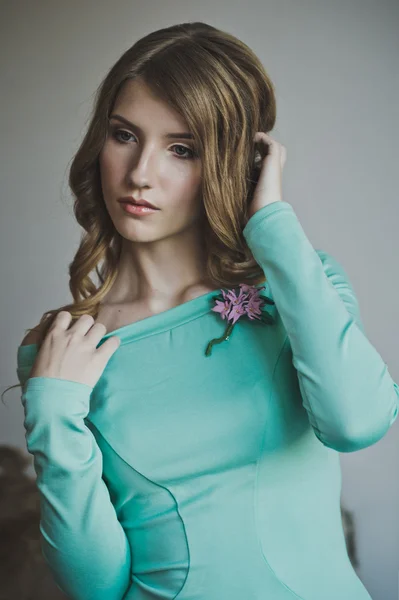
[
  {"x": 162, "y": 321},
  {"x": 166, "y": 319}
]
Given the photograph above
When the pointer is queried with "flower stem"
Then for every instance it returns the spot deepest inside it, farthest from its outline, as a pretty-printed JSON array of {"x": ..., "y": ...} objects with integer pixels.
[{"x": 222, "y": 338}]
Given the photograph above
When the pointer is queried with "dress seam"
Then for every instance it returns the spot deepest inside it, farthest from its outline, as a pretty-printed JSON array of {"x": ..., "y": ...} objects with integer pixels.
[
  {"x": 255, "y": 496},
  {"x": 159, "y": 485}
]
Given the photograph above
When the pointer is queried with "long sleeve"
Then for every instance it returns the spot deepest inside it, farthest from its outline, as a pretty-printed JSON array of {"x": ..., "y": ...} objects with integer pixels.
[
  {"x": 346, "y": 388},
  {"x": 82, "y": 540}
]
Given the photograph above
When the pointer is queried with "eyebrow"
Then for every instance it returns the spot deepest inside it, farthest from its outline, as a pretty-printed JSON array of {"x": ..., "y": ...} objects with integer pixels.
[{"x": 179, "y": 136}]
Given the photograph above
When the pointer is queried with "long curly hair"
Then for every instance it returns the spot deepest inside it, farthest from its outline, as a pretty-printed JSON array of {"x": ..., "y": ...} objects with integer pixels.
[{"x": 220, "y": 87}]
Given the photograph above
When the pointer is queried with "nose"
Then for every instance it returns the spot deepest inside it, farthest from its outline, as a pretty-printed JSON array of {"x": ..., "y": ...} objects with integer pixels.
[{"x": 144, "y": 163}]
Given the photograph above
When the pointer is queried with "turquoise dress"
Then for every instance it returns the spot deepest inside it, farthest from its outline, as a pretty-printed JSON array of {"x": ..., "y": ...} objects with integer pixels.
[{"x": 193, "y": 477}]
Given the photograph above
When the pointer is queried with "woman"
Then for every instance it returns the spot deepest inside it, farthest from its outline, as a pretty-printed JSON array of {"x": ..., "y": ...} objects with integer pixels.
[{"x": 185, "y": 427}]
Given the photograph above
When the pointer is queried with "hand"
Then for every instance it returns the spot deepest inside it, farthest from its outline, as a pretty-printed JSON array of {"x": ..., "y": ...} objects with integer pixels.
[
  {"x": 71, "y": 353},
  {"x": 269, "y": 186}
]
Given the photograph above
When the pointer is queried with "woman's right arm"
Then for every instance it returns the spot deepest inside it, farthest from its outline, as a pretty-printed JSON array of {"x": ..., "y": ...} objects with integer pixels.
[{"x": 82, "y": 540}]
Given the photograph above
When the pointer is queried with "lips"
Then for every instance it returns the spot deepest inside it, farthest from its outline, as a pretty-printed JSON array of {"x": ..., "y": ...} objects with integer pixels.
[{"x": 139, "y": 202}]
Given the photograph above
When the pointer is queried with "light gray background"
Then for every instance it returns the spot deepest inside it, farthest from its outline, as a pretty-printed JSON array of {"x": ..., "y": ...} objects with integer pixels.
[{"x": 334, "y": 65}]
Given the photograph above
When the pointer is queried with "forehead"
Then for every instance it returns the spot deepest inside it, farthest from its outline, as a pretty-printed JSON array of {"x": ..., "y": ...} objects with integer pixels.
[{"x": 138, "y": 103}]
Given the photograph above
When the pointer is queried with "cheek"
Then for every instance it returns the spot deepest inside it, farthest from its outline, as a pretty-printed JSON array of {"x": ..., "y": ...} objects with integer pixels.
[
  {"x": 107, "y": 163},
  {"x": 111, "y": 176},
  {"x": 184, "y": 183},
  {"x": 184, "y": 194}
]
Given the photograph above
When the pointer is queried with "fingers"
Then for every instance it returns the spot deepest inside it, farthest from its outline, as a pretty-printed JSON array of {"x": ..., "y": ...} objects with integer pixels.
[
  {"x": 107, "y": 349},
  {"x": 62, "y": 321},
  {"x": 85, "y": 326},
  {"x": 96, "y": 333},
  {"x": 82, "y": 325},
  {"x": 274, "y": 145}
]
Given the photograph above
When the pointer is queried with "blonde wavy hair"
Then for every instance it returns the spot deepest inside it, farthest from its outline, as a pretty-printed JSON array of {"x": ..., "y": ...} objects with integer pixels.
[{"x": 220, "y": 87}]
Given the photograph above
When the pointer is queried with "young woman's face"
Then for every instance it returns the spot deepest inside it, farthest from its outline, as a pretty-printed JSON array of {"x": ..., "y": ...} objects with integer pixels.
[{"x": 142, "y": 162}]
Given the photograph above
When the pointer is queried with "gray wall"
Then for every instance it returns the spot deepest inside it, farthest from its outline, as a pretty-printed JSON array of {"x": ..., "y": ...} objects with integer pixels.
[{"x": 334, "y": 65}]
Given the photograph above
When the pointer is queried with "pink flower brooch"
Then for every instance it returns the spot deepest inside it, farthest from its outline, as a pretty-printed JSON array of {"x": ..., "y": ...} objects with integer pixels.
[{"x": 244, "y": 301}]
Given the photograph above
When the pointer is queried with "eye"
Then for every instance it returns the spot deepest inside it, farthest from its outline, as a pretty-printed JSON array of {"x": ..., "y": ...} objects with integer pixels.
[{"x": 118, "y": 132}]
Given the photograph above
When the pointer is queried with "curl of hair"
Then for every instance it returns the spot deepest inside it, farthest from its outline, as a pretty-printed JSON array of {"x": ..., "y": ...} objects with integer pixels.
[{"x": 220, "y": 87}]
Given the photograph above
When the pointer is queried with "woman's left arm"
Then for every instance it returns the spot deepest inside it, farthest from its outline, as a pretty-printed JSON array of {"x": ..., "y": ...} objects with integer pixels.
[{"x": 347, "y": 391}]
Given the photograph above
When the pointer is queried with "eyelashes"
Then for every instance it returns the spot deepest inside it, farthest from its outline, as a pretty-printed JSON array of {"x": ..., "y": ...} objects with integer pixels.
[{"x": 116, "y": 133}]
